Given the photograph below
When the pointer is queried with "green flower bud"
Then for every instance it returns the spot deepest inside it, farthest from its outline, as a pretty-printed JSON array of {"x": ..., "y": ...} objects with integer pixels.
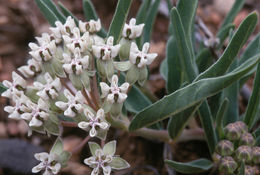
[
  {"x": 242, "y": 126},
  {"x": 225, "y": 148},
  {"x": 228, "y": 165},
  {"x": 256, "y": 155},
  {"x": 124, "y": 51},
  {"x": 244, "y": 153},
  {"x": 247, "y": 139},
  {"x": 232, "y": 132}
]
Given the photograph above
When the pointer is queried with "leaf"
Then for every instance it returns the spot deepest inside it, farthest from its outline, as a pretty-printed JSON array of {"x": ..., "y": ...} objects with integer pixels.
[
  {"x": 189, "y": 96},
  {"x": 238, "y": 40},
  {"x": 174, "y": 69},
  {"x": 192, "y": 167},
  {"x": 47, "y": 12},
  {"x": 90, "y": 13},
  {"x": 2, "y": 88},
  {"x": 223, "y": 33},
  {"x": 183, "y": 47},
  {"x": 93, "y": 147},
  {"x": 219, "y": 117},
  {"x": 119, "y": 163},
  {"x": 254, "y": 101},
  {"x": 64, "y": 157},
  {"x": 164, "y": 69},
  {"x": 242, "y": 169},
  {"x": 232, "y": 13},
  {"x": 257, "y": 132},
  {"x": 204, "y": 59},
  {"x": 110, "y": 148},
  {"x": 257, "y": 141},
  {"x": 149, "y": 21},
  {"x": 57, "y": 148},
  {"x": 67, "y": 13},
  {"x": 118, "y": 21},
  {"x": 55, "y": 10}
]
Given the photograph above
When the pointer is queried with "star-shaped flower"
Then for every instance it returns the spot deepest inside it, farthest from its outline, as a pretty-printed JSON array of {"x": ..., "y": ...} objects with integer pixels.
[
  {"x": 105, "y": 159},
  {"x": 132, "y": 30},
  {"x": 75, "y": 63},
  {"x": 16, "y": 87},
  {"x": 106, "y": 51},
  {"x": 38, "y": 113},
  {"x": 114, "y": 93},
  {"x": 48, "y": 163},
  {"x": 141, "y": 58},
  {"x": 74, "y": 104},
  {"x": 94, "y": 122},
  {"x": 91, "y": 26},
  {"x": 50, "y": 89}
]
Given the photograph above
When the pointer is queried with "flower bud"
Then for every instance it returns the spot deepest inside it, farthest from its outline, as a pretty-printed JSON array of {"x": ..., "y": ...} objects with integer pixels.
[
  {"x": 242, "y": 126},
  {"x": 256, "y": 155},
  {"x": 249, "y": 170},
  {"x": 124, "y": 51},
  {"x": 232, "y": 132},
  {"x": 225, "y": 148},
  {"x": 244, "y": 153},
  {"x": 247, "y": 139},
  {"x": 227, "y": 165}
]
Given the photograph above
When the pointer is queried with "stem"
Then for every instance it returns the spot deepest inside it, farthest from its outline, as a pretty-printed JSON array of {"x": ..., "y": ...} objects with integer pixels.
[
  {"x": 63, "y": 82},
  {"x": 69, "y": 124},
  {"x": 88, "y": 99},
  {"x": 77, "y": 148}
]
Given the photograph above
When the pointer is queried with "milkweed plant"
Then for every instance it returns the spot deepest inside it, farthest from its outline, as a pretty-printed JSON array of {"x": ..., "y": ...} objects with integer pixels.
[{"x": 80, "y": 75}]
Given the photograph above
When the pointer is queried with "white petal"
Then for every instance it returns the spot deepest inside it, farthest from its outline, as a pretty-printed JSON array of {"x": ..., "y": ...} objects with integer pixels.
[
  {"x": 114, "y": 81},
  {"x": 62, "y": 105},
  {"x": 146, "y": 47},
  {"x": 35, "y": 122},
  {"x": 124, "y": 87},
  {"x": 83, "y": 125},
  {"x": 110, "y": 98},
  {"x": 90, "y": 160},
  {"x": 26, "y": 116},
  {"x": 95, "y": 171},
  {"x": 121, "y": 97},
  {"x": 104, "y": 89},
  {"x": 38, "y": 168},
  {"x": 106, "y": 170},
  {"x": 100, "y": 113},
  {"x": 103, "y": 125},
  {"x": 69, "y": 113},
  {"x": 93, "y": 132},
  {"x": 42, "y": 156},
  {"x": 96, "y": 51},
  {"x": 110, "y": 41},
  {"x": 56, "y": 168},
  {"x": 9, "y": 109},
  {"x": 115, "y": 49},
  {"x": 151, "y": 57}
]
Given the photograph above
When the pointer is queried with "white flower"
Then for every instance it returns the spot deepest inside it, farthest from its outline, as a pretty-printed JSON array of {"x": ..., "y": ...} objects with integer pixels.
[
  {"x": 50, "y": 89},
  {"x": 76, "y": 63},
  {"x": 31, "y": 68},
  {"x": 106, "y": 51},
  {"x": 94, "y": 122},
  {"x": 141, "y": 58},
  {"x": 132, "y": 30},
  {"x": 16, "y": 87},
  {"x": 19, "y": 107},
  {"x": 63, "y": 29},
  {"x": 37, "y": 114},
  {"x": 48, "y": 163},
  {"x": 74, "y": 104},
  {"x": 77, "y": 40},
  {"x": 104, "y": 159},
  {"x": 91, "y": 26},
  {"x": 45, "y": 50},
  {"x": 114, "y": 93}
]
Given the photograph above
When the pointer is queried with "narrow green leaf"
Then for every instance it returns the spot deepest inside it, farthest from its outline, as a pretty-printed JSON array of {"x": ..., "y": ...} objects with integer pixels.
[
  {"x": 254, "y": 101},
  {"x": 2, "y": 88},
  {"x": 257, "y": 132},
  {"x": 183, "y": 46},
  {"x": 67, "y": 13},
  {"x": 149, "y": 22},
  {"x": 90, "y": 13},
  {"x": 223, "y": 33},
  {"x": 187, "y": 10},
  {"x": 55, "y": 10},
  {"x": 189, "y": 96},
  {"x": 164, "y": 69},
  {"x": 233, "y": 13},
  {"x": 196, "y": 166},
  {"x": 257, "y": 141},
  {"x": 47, "y": 12},
  {"x": 219, "y": 117},
  {"x": 242, "y": 169},
  {"x": 119, "y": 19},
  {"x": 204, "y": 59},
  {"x": 238, "y": 40},
  {"x": 174, "y": 71}
]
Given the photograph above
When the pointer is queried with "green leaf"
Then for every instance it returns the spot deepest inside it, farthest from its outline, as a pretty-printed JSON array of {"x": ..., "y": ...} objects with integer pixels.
[
  {"x": 118, "y": 21},
  {"x": 204, "y": 59},
  {"x": 164, "y": 69},
  {"x": 187, "y": 10},
  {"x": 51, "y": 127},
  {"x": 220, "y": 115},
  {"x": 238, "y": 40},
  {"x": 67, "y": 13},
  {"x": 93, "y": 147},
  {"x": 90, "y": 13},
  {"x": 55, "y": 10},
  {"x": 183, "y": 47},
  {"x": 257, "y": 141},
  {"x": 47, "y": 12},
  {"x": 189, "y": 96},
  {"x": 174, "y": 75},
  {"x": 118, "y": 163},
  {"x": 57, "y": 148},
  {"x": 64, "y": 157},
  {"x": 254, "y": 101},
  {"x": 223, "y": 33},
  {"x": 2, "y": 88},
  {"x": 257, "y": 132},
  {"x": 232, "y": 13},
  {"x": 149, "y": 21},
  {"x": 110, "y": 148},
  {"x": 242, "y": 169},
  {"x": 196, "y": 166}
]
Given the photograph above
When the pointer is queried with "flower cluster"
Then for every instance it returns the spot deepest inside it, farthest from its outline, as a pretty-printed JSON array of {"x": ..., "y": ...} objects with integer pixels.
[
  {"x": 64, "y": 68},
  {"x": 238, "y": 147}
]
